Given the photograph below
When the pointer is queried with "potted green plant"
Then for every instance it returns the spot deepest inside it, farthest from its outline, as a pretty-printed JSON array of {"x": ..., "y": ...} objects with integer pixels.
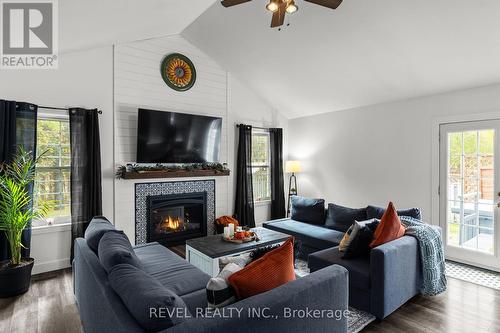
[{"x": 16, "y": 212}]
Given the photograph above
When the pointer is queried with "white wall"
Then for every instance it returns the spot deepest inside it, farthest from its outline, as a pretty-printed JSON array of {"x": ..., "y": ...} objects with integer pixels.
[
  {"x": 138, "y": 84},
  {"x": 374, "y": 154},
  {"x": 83, "y": 79}
]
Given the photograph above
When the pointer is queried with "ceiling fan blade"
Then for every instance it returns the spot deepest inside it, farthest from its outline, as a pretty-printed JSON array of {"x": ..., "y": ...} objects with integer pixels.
[
  {"x": 229, "y": 3},
  {"x": 279, "y": 16},
  {"x": 333, "y": 4}
]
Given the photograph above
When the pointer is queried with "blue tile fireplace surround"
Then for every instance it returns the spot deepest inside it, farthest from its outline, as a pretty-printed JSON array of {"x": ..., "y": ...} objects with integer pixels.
[{"x": 171, "y": 212}]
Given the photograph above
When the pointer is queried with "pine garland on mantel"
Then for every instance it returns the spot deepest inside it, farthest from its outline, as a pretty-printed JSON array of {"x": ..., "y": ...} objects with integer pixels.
[{"x": 124, "y": 169}]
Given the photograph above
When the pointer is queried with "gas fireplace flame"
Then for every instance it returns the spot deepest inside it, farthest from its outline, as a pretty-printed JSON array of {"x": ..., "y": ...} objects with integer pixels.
[{"x": 172, "y": 223}]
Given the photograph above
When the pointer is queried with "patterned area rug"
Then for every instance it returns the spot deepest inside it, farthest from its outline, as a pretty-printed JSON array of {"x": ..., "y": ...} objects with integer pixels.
[
  {"x": 472, "y": 274},
  {"x": 357, "y": 320}
]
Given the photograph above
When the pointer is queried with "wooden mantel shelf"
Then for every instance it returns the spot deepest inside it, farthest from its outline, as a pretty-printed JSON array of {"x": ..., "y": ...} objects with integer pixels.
[{"x": 174, "y": 174}]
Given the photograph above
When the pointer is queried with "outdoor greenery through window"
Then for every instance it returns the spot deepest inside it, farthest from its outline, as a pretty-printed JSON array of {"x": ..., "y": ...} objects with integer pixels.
[
  {"x": 52, "y": 180},
  {"x": 261, "y": 172},
  {"x": 470, "y": 194}
]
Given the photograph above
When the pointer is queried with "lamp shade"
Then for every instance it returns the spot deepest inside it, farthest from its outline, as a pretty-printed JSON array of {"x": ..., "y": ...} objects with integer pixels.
[{"x": 293, "y": 166}]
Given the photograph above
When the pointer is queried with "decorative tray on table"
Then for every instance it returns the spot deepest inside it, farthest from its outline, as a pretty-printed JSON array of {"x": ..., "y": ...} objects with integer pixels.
[{"x": 242, "y": 237}]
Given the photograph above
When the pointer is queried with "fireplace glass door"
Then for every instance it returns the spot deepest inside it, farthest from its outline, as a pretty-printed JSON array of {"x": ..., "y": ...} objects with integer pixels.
[{"x": 174, "y": 218}]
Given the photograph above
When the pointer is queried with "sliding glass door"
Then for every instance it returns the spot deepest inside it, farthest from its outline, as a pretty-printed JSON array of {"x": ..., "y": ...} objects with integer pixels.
[{"x": 470, "y": 191}]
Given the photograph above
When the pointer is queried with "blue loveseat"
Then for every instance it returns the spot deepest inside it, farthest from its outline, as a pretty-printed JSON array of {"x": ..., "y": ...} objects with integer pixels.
[
  {"x": 103, "y": 311},
  {"x": 379, "y": 283}
]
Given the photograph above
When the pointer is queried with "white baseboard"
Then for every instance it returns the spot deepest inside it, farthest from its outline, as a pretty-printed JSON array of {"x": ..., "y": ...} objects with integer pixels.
[{"x": 52, "y": 265}]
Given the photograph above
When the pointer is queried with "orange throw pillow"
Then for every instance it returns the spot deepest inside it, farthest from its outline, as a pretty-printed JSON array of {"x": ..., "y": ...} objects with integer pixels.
[
  {"x": 272, "y": 270},
  {"x": 389, "y": 229}
]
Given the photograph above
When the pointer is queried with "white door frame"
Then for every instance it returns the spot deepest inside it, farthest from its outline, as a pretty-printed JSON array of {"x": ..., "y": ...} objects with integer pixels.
[{"x": 436, "y": 168}]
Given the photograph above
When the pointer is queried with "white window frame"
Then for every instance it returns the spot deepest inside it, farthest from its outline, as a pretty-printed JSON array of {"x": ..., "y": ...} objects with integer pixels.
[
  {"x": 64, "y": 220},
  {"x": 267, "y": 165}
]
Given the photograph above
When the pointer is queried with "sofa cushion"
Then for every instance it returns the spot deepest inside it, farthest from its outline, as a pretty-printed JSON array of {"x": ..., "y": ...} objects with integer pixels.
[
  {"x": 114, "y": 249},
  {"x": 390, "y": 227},
  {"x": 195, "y": 300},
  {"x": 360, "y": 242},
  {"x": 341, "y": 218},
  {"x": 308, "y": 210},
  {"x": 359, "y": 268},
  {"x": 310, "y": 235},
  {"x": 375, "y": 212},
  {"x": 271, "y": 271},
  {"x": 141, "y": 293},
  {"x": 95, "y": 230},
  {"x": 171, "y": 270}
]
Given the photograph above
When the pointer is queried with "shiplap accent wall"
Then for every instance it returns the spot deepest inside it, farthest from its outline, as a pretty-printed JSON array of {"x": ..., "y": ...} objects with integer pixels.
[{"x": 138, "y": 84}]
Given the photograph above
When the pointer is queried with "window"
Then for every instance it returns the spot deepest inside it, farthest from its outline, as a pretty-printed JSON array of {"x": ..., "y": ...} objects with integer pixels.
[
  {"x": 52, "y": 179},
  {"x": 261, "y": 171}
]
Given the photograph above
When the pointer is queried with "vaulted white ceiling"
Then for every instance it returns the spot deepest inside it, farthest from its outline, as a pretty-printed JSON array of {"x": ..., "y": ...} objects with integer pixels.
[
  {"x": 89, "y": 23},
  {"x": 365, "y": 52}
]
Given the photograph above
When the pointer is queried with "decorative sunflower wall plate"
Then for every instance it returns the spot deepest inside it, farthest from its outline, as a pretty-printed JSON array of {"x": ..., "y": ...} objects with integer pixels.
[{"x": 178, "y": 72}]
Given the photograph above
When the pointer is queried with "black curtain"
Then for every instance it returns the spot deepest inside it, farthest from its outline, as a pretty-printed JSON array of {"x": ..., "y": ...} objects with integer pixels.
[
  {"x": 86, "y": 191},
  {"x": 243, "y": 206},
  {"x": 17, "y": 128},
  {"x": 277, "y": 182}
]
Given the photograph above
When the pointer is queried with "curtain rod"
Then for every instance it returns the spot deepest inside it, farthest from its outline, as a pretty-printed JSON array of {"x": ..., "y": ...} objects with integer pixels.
[
  {"x": 63, "y": 109},
  {"x": 257, "y": 127}
]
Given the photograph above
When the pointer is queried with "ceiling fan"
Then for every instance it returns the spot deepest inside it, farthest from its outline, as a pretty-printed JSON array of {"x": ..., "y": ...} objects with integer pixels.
[{"x": 281, "y": 7}]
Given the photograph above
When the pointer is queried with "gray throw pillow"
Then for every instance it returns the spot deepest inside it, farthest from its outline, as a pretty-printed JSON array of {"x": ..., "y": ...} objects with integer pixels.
[
  {"x": 95, "y": 230},
  {"x": 154, "y": 306},
  {"x": 240, "y": 260},
  {"x": 114, "y": 249}
]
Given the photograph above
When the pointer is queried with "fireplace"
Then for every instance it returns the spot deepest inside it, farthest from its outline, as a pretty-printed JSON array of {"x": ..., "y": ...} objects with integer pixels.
[{"x": 173, "y": 218}]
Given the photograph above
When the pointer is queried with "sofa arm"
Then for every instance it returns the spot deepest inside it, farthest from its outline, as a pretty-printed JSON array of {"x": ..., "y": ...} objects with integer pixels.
[
  {"x": 396, "y": 275},
  {"x": 325, "y": 291}
]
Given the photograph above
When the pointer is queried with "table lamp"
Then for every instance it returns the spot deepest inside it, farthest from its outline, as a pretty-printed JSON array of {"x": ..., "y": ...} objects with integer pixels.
[{"x": 292, "y": 167}]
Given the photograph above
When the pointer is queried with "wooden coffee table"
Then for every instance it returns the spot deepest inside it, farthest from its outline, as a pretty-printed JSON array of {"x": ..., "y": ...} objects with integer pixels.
[{"x": 205, "y": 252}]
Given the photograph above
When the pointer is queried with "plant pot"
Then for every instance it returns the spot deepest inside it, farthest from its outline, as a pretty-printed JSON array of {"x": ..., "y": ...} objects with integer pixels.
[{"x": 15, "y": 280}]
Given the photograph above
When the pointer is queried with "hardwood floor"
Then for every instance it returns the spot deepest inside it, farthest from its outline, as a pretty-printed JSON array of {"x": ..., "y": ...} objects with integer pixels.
[
  {"x": 464, "y": 307},
  {"x": 49, "y": 307}
]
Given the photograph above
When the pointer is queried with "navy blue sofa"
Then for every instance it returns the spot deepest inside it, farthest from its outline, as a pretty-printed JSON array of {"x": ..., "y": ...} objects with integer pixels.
[
  {"x": 102, "y": 310},
  {"x": 379, "y": 283},
  {"x": 382, "y": 282}
]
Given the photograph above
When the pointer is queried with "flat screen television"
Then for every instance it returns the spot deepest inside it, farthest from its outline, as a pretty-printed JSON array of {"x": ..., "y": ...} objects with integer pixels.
[{"x": 171, "y": 137}]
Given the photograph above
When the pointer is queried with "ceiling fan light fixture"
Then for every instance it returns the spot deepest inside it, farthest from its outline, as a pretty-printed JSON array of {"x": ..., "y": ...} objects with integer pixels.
[
  {"x": 272, "y": 6},
  {"x": 291, "y": 7}
]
